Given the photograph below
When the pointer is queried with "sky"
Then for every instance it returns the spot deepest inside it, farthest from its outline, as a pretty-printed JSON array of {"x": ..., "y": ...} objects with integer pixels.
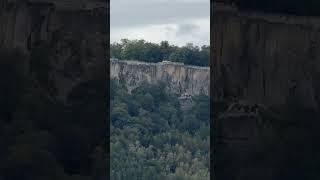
[{"x": 176, "y": 21}]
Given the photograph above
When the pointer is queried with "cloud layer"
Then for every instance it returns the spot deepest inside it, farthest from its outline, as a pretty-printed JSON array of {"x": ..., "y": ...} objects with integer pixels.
[{"x": 178, "y": 21}]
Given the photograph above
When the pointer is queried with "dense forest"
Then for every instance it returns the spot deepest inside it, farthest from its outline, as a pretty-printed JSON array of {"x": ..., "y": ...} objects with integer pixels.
[
  {"x": 42, "y": 137},
  {"x": 294, "y": 7},
  {"x": 153, "y": 138},
  {"x": 151, "y": 52}
]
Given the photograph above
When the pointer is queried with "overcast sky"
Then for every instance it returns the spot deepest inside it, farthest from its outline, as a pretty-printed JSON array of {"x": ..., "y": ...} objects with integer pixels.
[{"x": 177, "y": 21}]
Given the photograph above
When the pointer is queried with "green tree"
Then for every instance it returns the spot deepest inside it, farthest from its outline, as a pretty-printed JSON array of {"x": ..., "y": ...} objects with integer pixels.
[{"x": 152, "y": 52}]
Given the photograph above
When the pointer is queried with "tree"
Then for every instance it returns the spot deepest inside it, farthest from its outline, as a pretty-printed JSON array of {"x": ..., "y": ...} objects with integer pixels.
[
  {"x": 157, "y": 143},
  {"x": 152, "y": 52}
]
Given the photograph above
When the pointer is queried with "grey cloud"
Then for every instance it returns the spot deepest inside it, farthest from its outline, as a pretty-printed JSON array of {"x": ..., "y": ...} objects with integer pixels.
[
  {"x": 126, "y": 13},
  {"x": 185, "y": 29},
  {"x": 177, "y": 16}
]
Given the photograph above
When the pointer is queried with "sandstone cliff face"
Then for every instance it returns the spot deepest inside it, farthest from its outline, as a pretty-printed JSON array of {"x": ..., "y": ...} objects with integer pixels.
[
  {"x": 180, "y": 78},
  {"x": 74, "y": 34},
  {"x": 266, "y": 58}
]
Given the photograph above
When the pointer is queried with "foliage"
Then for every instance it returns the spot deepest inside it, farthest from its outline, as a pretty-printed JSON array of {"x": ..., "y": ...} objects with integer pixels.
[
  {"x": 41, "y": 137},
  {"x": 152, "y": 138},
  {"x": 151, "y": 52}
]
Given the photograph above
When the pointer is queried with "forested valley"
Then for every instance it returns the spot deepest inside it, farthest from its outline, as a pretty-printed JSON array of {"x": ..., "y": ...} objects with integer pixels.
[
  {"x": 42, "y": 137},
  {"x": 152, "y": 137}
]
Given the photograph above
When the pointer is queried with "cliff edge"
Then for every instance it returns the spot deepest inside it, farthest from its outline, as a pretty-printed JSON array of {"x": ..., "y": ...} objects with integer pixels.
[
  {"x": 180, "y": 78},
  {"x": 266, "y": 58},
  {"x": 67, "y": 36}
]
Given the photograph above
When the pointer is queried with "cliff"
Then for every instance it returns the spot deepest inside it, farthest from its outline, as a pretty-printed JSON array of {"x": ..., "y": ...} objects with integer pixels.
[
  {"x": 71, "y": 35},
  {"x": 270, "y": 61},
  {"x": 180, "y": 78},
  {"x": 53, "y": 84},
  {"x": 266, "y": 58}
]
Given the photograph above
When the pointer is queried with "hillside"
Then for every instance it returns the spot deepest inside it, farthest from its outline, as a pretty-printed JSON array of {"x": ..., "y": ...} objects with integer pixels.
[{"x": 152, "y": 137}]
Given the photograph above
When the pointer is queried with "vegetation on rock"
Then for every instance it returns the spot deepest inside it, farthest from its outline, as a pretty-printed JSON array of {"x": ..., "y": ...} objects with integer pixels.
[{"x": 42, "y": 137}]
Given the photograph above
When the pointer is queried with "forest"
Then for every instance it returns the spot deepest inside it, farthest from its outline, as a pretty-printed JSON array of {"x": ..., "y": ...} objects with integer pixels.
[
  {"x": 153, "y": 138},
  {"x": 42, "y": 137},
  {"x": 142, "y": 50}
]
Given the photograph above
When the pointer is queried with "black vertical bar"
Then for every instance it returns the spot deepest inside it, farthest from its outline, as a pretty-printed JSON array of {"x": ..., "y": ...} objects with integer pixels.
[{"x": 108, "y": 89}]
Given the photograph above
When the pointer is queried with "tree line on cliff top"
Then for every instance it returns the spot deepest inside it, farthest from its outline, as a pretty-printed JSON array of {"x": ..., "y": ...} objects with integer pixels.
[
  {"x": 152, "y": 52},
  {"x": 294, "y": 7}
]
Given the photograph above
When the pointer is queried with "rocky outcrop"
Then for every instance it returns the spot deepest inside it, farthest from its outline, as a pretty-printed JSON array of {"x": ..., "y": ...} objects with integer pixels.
[
  {"x": 266, "y": 58},
  {"x": 179, "y": 77},
  {"x": 73, "y": 34}
]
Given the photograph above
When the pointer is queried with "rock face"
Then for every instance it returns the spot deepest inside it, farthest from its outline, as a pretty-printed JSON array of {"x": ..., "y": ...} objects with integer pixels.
[
  {"x": 180, "y": 78},
  {"x": 266, "y": 58},
  {"x": 273, "y": 60},
  {"x": 73, "y": 33}
]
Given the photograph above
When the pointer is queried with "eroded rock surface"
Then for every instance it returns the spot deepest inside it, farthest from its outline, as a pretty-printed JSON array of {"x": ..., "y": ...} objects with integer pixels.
[
  {"x": 73, "y": 34},
  {"x": 266, "y": 58},
  {"x": 180, "y": 78},
  {"x": 272, "y": 60}
]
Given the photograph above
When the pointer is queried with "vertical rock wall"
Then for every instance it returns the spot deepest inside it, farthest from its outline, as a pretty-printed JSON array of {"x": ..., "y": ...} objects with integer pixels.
[
  {"x": 73, "y": 32},
  {"x": 266, "y": 58},
  {"x": 180, "y": 78}
]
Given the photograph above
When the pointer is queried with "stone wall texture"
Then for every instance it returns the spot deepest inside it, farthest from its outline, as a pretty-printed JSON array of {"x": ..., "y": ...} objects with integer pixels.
[
  {"x": 73, "y": 32},
  {"x": 266, "y": 58},
  {"x": 180, "y": 78}
]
